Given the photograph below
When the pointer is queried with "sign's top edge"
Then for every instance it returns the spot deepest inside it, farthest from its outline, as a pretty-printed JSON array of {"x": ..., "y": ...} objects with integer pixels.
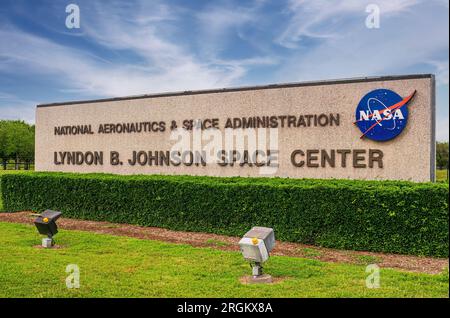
[{"x": 248, "y": 88}]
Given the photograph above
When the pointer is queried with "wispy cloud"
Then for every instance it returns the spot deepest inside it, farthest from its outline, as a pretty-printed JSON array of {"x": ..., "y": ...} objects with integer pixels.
[
  {"x": 441, "y": 70},
  {"x": 222, "y": 27},
  {"x": 162, "y": 65},
  {"x": 326, "y": 19},
  {"x": 329, "y": 39},
  {"x": 13, "y": 107},
  {"x": 140, "y": 46},
  {"x": 406, "y": 39}
]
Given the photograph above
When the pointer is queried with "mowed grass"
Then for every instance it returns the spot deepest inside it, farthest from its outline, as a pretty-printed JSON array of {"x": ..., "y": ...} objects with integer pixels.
[
  {"x": 112, "y": 266},
  {"x": 441, "y": 175}
]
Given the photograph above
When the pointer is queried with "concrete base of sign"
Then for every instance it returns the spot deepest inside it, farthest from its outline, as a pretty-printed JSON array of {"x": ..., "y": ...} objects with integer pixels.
[
  {"x": 260, "y": 279},
  {"x": 47, "y": 242}
]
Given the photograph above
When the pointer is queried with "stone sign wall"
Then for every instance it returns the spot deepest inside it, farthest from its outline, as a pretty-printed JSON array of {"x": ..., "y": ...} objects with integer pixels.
[{"x": 372, "y": 128}]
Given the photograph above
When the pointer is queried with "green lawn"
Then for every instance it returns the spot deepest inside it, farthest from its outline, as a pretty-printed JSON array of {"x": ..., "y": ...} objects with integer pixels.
[
  {"x": 112, "y": 266},
  {"x": 441, "y": 175}
]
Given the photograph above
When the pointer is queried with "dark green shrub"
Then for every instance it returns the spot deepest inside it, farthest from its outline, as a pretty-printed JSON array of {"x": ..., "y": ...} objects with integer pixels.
[{"x": 384, "y": 216}]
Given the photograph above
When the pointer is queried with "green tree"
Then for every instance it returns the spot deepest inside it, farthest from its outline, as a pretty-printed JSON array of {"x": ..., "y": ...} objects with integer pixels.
[
  {"x": 442, "y": 155},
  {"x": 16, "y": 142},
  {"x": 4, "y": 156}
]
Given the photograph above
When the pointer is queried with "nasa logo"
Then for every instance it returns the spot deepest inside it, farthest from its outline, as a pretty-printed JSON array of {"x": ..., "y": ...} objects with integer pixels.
[{"x": 382, "y": 114}]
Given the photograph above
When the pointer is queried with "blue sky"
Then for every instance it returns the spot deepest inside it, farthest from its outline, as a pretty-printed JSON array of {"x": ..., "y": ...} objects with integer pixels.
[{"x": 145, "y": 46}]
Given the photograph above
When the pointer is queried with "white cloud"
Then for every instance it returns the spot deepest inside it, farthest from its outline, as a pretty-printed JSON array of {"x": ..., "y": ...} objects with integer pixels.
[
  {"x": 149, "y": 51},
  {"x": 6, "y": 96},
  {"x": 163, "y": 65},
  {"x": 13, "y": 107},
  {"x": 218, "y": 20},
  {"x": 441, "y": 70},
  {"x": 219, "y": 24},
  {"x": 328, "y": 19},
  {"x": 78, "y": 70},
  {"x": 413, "y": 35}
]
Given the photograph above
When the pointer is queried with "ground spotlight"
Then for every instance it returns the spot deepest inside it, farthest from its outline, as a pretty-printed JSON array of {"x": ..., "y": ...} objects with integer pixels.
[
  {"x": 255, "y": 247},
  {"x": 46, "y": 225}
]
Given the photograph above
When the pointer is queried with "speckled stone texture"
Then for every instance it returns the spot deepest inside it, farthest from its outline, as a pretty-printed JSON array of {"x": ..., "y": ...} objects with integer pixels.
[{"x": 410, "y": 156}]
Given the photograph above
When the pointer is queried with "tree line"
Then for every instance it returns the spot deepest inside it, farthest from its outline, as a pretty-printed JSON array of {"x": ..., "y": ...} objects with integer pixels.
[
  {"x": 442, "y": 155},
  {"x": 16, "y": 143}
]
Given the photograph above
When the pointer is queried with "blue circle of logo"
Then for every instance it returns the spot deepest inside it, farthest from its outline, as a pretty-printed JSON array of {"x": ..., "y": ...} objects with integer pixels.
[{"x": 382, "y": 114}]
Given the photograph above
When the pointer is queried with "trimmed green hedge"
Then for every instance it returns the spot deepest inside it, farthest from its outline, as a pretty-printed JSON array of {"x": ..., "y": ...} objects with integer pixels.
[{"x": 384, "y": 216}]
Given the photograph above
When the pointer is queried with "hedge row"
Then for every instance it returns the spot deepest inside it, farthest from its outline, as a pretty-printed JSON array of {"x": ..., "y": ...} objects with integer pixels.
[{"x": 383, "y": 216}]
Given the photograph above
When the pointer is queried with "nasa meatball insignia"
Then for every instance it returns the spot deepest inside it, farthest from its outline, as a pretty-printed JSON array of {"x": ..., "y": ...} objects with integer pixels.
[{"x": 382, "y": 114}]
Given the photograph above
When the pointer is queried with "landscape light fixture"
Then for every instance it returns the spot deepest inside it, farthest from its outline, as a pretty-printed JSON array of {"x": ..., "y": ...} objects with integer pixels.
[
  {"x": 255, "y": 247},
  {"x": 46, "y": 225}
]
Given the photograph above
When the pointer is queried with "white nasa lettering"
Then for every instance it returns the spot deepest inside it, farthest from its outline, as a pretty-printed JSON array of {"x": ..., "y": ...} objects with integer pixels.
[
  {"x": 363, "y": 115},
  {"x": 387, "y": 115},
  {"x": 376, "y": 115},
  {"x": 398, "y": 114}
]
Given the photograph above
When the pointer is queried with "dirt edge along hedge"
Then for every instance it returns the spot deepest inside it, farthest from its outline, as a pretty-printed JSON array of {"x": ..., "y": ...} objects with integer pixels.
[{"x": 381, "y": 216}]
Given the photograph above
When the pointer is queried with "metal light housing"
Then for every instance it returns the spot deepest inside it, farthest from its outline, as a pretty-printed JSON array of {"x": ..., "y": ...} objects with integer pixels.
[
  {"x": 256, "y": 246},
  {"x": 46, "y": 225}
]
